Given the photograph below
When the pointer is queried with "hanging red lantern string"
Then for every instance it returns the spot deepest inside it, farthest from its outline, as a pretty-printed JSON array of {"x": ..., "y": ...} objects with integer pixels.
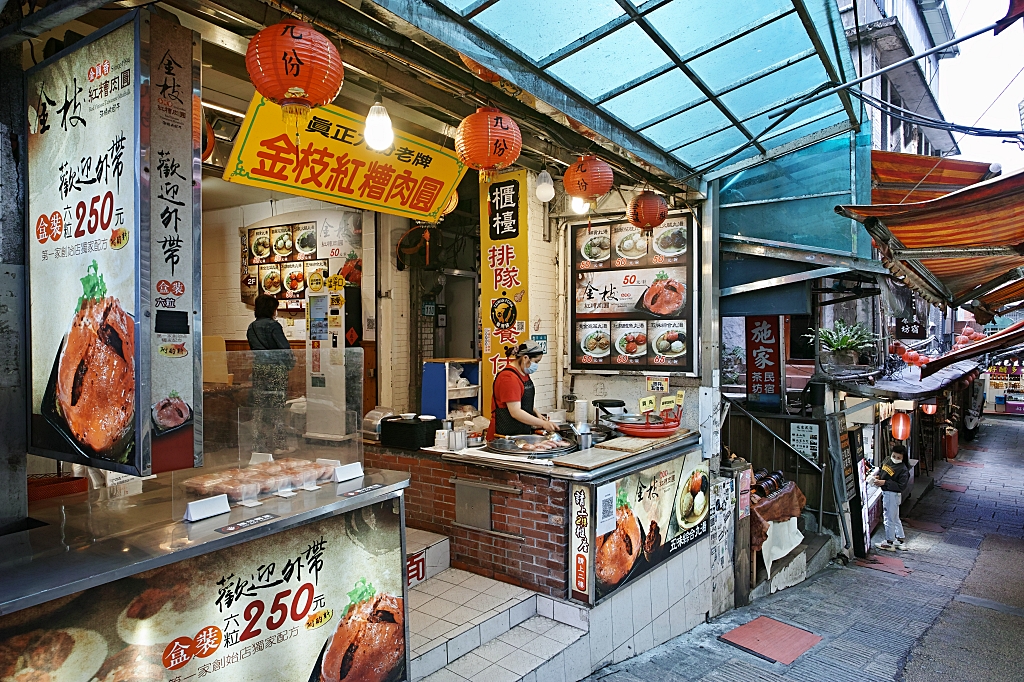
[
  {"x": 901, "y": 426},
  {"x": 647, "y": 210},
  {"x": 294, "y": 65},
  {"x": 589, "y": 178},
  {"x": 479, "y": 70},
  {"x": 488, "y": 140}
]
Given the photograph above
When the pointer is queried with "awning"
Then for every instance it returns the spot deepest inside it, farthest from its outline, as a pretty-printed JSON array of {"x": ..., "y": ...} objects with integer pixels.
[
  {"x": 1006, "y": 338},
  {"x": 911, "y": 386},
  {"x": 965, "y": 246},
  {"x": 691, "y": 80},
  {"x": 900, "y": 178}
]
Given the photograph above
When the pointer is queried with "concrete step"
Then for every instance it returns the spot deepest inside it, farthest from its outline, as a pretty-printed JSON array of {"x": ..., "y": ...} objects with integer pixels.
[
  {"x": 426, "y": 554},
  {"x": 809, "y": 557}
]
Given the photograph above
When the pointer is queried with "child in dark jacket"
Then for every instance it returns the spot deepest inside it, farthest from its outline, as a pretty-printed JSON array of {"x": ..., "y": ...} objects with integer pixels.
[{"x": 893, "y": 478}]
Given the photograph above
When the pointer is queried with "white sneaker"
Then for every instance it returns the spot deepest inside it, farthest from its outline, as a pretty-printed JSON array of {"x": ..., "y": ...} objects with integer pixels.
[
  {"x": 901, "y": 545},
  {"x": 886, "y": 546}
]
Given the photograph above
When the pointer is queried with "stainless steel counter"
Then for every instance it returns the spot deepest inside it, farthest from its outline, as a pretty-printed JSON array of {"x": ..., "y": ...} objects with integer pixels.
[
  {"x": 90, "y": 542},
  {"x": 613, "y": 470}
]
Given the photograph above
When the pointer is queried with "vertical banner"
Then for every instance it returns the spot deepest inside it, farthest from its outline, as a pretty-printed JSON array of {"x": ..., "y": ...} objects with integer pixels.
[
  {"x": 504, "y": 254},
  {"x": 173, "y": 277},
  {"x": 112, "y": 233},
  {"x": 83, "y": 241},
  {"x": 581, "y": 563},
  {"x": 764, "y": 360}
]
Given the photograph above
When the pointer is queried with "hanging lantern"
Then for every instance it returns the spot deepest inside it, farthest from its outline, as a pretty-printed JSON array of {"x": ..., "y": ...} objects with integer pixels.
[
  {"x": 479, "y": 70},
  {"x": 453, "y": 202},
  {"x": 929, "y": 408},
  {"x": 293, "y": 65},
  {"x": 901, "y": 426},
  {"x": 647, "y": 209},
  {"x": 488, "y": 140},
  {"x": 589, "y": 179},
  {"x": 209, "y": 141}
]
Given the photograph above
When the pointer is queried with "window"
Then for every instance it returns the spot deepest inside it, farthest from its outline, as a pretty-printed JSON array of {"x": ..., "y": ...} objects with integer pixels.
[{"x": 800, "y": 347}]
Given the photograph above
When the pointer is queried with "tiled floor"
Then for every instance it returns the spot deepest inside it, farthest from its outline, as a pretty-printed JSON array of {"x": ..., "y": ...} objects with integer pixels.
[
  {"x": 453, "y": 602},
  {"x": 512, "y": 656}
]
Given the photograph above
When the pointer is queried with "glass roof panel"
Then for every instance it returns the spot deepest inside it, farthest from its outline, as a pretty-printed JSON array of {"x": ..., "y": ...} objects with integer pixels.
[
  {"x": 654, "y": 98},
  {"x": 769, "y": 45},
  {"x": 609, "y": 62},
  {"x": 539, "y": 27},
  {"x": 802, "y": 116},
  {"x": 822, "y": 167},
  {"x": 687, "y": 126},
  {"x": 701, "y": 151},
  {"x": 458, "y": 5},
  {"x": 803, "y": 76},
  {"x": 690, "y": 24},
  {"x": 814, "y": 126}
]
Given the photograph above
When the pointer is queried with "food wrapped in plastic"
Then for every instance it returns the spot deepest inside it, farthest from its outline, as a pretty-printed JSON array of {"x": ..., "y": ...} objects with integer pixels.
[
  {"x": 268, "y": 483},
  {"x": 237, "y": 490},
  {"x": 203, "y": 485},
  {"x": 324, "y": 472},
  {"x": 304, "y": 477}
]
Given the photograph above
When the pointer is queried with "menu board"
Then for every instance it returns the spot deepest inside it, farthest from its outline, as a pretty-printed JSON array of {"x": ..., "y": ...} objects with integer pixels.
[
  {"x": 277, "y": 261},
  {"x": 635, "y": 296}
]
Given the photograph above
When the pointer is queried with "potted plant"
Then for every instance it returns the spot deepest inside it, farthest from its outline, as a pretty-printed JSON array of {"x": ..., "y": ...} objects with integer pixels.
[{"x": 844, "y": 342}]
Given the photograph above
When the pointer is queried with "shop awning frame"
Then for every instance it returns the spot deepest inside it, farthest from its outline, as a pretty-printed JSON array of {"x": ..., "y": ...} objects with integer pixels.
[{"x": 721, "y": 132}]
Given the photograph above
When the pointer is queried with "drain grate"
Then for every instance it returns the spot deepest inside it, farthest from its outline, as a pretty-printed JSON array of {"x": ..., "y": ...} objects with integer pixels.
[{"x": 964, "y": 540}]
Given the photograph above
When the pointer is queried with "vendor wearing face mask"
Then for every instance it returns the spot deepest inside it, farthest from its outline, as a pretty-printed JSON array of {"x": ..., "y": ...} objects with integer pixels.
[
  {"x": 892, "y": 479},
  {"x": 512, "y": 411}
]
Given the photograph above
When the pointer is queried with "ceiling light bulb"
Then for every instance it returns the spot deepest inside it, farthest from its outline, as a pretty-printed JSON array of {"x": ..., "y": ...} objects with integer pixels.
[
  {"x": 579, "y": 206},
  {"x": 545, "y": 186},
  {"x": 378, "y": 132}
]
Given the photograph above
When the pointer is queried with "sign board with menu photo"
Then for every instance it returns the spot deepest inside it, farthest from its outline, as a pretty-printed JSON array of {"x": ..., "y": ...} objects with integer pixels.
[
  {"x": 113, "y": 262},
  {"x": 635, "y": 296}
]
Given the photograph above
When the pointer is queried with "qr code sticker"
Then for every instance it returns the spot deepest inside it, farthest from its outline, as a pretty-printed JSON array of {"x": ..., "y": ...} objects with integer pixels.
[{"x": 607, "y": 508}]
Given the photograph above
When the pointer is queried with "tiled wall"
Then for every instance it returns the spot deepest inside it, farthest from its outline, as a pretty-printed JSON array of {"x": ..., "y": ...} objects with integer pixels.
[{"x": 538, "y": 562}]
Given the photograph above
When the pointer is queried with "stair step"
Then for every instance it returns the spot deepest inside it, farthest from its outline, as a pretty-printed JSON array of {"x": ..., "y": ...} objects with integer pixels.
[
  {"x": 513, "y": 655},
  {"x": 455, "y": 612},
  {"x": 426, "y": 554}
]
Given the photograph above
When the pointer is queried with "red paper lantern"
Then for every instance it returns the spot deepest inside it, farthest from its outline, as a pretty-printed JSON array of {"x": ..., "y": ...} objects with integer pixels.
[
  {"x": 209, "y": 140},
  {"x": 589, "y": 179},
  {"x": 293, "y": 65},
  {"x": 488, "y": 140},
  {"x": 647, "y": 209},
  {"x": 929, "y": 408},
  {"x": 901, "y": 426},
  {"x": 963, "y": 340},
  {"x": 911, "y": 356},
  {"x": 479, "y": 70}
]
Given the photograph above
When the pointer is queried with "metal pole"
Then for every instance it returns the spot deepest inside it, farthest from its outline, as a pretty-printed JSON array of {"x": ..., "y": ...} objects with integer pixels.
[{"x": 909, "y": 60}]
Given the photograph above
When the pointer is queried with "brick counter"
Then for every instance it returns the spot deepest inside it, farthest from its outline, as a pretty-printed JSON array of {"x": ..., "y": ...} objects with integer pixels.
[{"x": 538, "y": 562}]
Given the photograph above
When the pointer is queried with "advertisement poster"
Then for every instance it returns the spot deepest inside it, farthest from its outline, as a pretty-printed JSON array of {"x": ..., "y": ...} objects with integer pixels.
[
  {"x": 173, "y": 256},
  {"x": 805, "y": 439},
  {"x": 322, "y": 602},
  {"x": 723, "y": 502},
  {"x": 83, "y": 254},
  {"x": 504, "y": 254},
  {"x": 658, "y": 511},
  {"x": 640, "y": 286},
  {"x": 764, "y": 359},
  {"x": 414, "y": 179}
]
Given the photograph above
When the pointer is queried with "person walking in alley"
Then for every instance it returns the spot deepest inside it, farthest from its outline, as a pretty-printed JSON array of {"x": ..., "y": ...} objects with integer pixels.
[{"x": 892, "y": 479}]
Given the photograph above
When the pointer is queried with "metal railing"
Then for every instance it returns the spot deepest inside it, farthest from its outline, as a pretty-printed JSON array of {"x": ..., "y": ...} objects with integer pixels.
[{"x": 780, "y": 448}]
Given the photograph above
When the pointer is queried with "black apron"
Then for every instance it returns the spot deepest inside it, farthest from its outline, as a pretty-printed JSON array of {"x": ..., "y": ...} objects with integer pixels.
[{"x": 504, "y": 423}]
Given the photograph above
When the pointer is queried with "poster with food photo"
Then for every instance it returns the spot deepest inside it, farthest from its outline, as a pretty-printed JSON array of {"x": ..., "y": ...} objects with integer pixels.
[
  {"x": 670, "y": 241},
  {"x": 593, "y": 343},
  {"x": 593, "y": 247},
  {"x": 259, "y": 245},
  {"x": 629, "y": 342},
  {"x": 304, "y": 240},
  {"x": 82, "y": 265},
  {"x": 629, "y": 246},
  {"x": 322, "y": 602},
  {"x": 270, "y": 279},
  {"x": 668, "y": 342},
  {"x": 659, "y": 511},
  {"x": 608, "y": 292},
  {"x": 281, "y": 243},
  {"x": 293, "y": 276},
  {"x": 320, "y": 266}
]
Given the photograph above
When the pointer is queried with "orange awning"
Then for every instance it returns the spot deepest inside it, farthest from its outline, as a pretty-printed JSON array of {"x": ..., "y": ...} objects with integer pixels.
[
  {"x": 961, "y": 247},
  {"x": 901, "y": 178}
]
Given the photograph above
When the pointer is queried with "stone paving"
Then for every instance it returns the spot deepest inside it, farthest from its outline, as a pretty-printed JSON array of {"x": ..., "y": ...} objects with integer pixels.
[{"x": 870, "y": 621}]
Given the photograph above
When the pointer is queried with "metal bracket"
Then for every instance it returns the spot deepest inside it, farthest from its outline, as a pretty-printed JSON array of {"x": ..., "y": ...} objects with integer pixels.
[{"x": 785, "y": 279}]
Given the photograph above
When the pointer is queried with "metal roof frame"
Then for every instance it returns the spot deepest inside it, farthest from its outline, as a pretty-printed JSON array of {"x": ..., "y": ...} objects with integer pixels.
[{"x": 456, "y": 29}]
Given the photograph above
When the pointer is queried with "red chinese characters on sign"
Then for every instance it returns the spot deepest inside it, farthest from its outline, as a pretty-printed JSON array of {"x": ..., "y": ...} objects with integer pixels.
[
  {"x": 764, "y": 359},
  {"x": 417, "y": 567},
  {"x": 164, "y": 288},
  {"x": 317, "y": 166},
  {"x": 499, "y": 258},
  {"x": 181, "y": 650}
]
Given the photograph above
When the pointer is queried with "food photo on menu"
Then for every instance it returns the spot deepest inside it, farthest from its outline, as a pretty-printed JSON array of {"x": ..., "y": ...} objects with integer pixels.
[
  {"x": 593, "y": 342},
  {"x": 259, "y": 244},
  {"x": 593, "y": 245},
  {"x": 670, "y": 240},
  {"x": 629, "y": 340},
  {"x": 629, "y": 245}
]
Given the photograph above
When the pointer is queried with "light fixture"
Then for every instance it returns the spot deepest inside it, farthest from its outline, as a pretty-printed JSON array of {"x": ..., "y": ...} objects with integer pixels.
[
  {"x": 579, "y": 207},
  {"x": 378, "y": 132},
  {"x": 217, "y": 107},
  {"x": 929, "y": 408},
  {"x": 545, "y": 186}
]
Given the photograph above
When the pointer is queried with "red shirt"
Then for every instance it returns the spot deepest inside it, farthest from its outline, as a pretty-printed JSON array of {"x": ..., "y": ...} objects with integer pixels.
[{"x": 508, "y": 388}]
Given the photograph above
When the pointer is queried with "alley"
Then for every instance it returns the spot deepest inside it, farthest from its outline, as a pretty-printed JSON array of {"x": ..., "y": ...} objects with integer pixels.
[{"x": 955, "y": 617}]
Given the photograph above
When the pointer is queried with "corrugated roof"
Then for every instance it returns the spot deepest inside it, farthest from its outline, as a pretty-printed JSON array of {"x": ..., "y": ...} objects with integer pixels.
[{"x": 900, "y": 178}]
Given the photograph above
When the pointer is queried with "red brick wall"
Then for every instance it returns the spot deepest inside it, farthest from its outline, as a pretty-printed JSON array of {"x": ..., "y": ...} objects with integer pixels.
[{"x": 538, "y": 514}]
